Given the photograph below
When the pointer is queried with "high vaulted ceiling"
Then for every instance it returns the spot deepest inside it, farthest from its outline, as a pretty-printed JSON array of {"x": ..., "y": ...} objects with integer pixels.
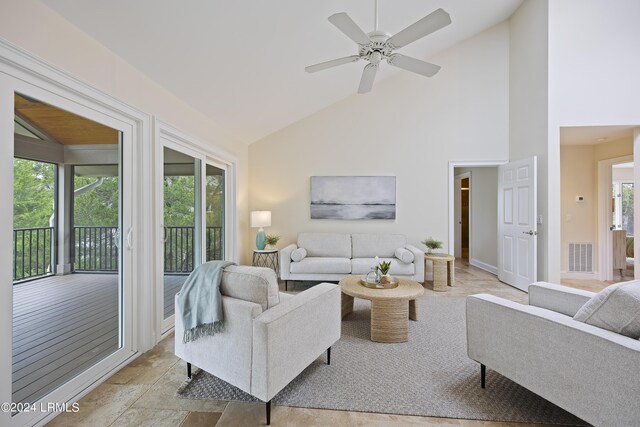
[{"x": 242, "y": 62}]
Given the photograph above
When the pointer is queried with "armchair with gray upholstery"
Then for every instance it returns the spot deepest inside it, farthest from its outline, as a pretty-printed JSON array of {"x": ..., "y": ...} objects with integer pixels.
[
  {"x": 269, "y": 337},
  {"x": 589, "y": 371}
]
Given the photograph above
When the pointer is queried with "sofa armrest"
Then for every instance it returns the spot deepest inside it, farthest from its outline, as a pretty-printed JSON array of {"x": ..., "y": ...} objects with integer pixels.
[
  {"x": 291, "y": 335},
  {"x": 553, "y": 355},
  {"x": 418, "y": 262},
  {"x": 560, "y": 299},
  {"x": 285, "y": 261}
]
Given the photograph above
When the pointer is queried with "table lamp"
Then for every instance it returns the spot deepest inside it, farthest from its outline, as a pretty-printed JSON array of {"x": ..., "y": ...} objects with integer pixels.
[{"x": 260, "y": 219}]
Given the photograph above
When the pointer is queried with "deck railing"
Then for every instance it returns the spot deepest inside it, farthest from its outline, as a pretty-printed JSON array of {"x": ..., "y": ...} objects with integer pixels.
[
  {"x": 95, "y": 249},
  {"x": 178, "y": 248},
  {"x": 33, "y": 252}
]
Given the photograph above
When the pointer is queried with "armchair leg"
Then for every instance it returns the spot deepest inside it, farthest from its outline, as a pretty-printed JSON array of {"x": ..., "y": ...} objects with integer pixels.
[
  {"x": 269, "y": 413},
  {"x": 188, "y": 369},
  {"x": 329, "y": 356},
  {"x": 483, "y": 374}
]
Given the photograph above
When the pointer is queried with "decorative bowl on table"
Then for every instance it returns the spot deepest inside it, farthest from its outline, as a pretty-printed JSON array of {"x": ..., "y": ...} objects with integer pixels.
[{"x": 393, "y": 283}]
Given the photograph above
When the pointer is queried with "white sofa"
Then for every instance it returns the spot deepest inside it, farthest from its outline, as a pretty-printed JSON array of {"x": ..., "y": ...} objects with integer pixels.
[
  {"x": 269, "y": 337},
  {"x": 590, "y": 372},
  {"x": 331, "y": 256}
]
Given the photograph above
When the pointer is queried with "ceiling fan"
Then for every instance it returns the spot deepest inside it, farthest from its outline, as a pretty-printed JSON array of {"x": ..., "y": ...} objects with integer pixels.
[{"x": 378, "y": 45}]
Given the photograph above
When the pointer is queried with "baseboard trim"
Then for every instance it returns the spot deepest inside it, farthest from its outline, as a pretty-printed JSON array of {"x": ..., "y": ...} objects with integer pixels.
[
  {"x": 579, "y": 276},
  {"x": 484, "y": 266}
]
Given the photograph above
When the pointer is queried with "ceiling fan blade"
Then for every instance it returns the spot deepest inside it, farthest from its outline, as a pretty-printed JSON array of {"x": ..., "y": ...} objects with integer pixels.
[
  {"x": 427, "y": 25},
  {"x": 333, "y": 63},
  {"x": 349, "y": 28},
  {"x": 368, "y": 76},
  {"x": 412, "y": 64}
]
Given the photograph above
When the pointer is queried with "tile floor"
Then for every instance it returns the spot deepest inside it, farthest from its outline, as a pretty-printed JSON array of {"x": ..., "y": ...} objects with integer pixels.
[{"x": 143, "y": 393}]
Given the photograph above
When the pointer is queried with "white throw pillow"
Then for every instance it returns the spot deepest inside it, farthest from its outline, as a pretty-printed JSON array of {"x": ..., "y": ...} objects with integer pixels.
[
  {"x": 404, "y": 255},
  {"x": 616, "y": 308},
  {"x": 298, "y": 254}
]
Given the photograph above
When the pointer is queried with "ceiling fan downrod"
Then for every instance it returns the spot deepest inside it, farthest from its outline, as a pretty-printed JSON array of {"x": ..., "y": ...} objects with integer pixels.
[{"x": 375, "y": 16}]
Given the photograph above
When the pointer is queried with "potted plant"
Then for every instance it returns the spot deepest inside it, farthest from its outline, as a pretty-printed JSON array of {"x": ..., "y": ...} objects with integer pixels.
[
  {"x": 432, "y": 244},
  {"x": 271, "y": 240},
  {"x": 384, "y": 267}
]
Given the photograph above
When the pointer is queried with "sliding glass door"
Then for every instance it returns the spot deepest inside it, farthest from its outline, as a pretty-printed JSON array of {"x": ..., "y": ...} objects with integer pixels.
[
  {"x": 72, "y": 227},
  {"x": 180, "y": 218},
  {"x": 193, "y": 226},
  {"x": 215, "y": 211}
]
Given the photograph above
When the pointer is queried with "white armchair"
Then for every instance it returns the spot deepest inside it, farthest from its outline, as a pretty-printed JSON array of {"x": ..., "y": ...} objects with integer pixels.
[
  {"x": 588, "y": 371},
  {"x": 269, "y": 337}
]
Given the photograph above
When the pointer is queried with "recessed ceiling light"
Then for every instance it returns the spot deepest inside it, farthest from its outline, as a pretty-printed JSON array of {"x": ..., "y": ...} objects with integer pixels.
[{"x": 603, "y": 139}]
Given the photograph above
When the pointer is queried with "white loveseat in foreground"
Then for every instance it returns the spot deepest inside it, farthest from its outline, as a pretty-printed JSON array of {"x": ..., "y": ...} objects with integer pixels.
[
  {"x": 590, "y": 372},
  {"x": 269, "y": 337},
  {"x": 331, "y": 256}
]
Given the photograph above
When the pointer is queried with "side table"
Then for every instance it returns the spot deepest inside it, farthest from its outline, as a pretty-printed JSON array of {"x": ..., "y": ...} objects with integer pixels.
[
  {"x": 443, "y": 270},
  {"x": 266, "y": 258}
]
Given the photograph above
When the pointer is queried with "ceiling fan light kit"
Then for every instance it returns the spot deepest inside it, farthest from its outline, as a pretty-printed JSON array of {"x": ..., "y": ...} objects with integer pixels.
[{"x": 377, "y": 46}]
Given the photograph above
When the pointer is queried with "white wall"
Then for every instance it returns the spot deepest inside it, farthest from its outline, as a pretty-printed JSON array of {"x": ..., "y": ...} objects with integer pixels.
[
  {"x": 528, "y": 117},
  {"x": 579, "y": 219},
  {"x": 408, "y": 126},
  {"x": 579, "y": 175},
  {"x": 483, "y": 233},
  {"x": 35, "y": 28},
  {"x": 593, "y": 66}
]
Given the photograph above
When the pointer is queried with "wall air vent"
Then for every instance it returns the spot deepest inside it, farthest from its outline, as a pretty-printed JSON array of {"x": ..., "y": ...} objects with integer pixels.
[{"x": 581, "y": 257}]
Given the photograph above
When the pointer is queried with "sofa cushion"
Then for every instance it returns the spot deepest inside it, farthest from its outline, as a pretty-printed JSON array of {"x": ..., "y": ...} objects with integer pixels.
[
  {"x": 616, "y": 308},
  {"x": 363, "y": 266},
  {"x": 322, "y": 265},
  {"x": 326, "y": 244},
  {"x": 381, "y": 245},
  {"x": 298, "y": 254},
  {"x": 254, "y": 284},
  {"x": 404, "y": 255}
]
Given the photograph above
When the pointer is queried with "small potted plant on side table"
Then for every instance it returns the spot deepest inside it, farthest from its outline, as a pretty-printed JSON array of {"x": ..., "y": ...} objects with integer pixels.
[
  {"x": 271, "y": 241},
  {"x": 432, "y": 244}
]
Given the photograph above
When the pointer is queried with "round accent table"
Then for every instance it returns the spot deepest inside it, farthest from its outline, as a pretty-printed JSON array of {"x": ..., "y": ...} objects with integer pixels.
[
  {"x": 391, "y": 309},
  {"x": 443, "y": 268},
  {"x": 266, "y": 258}
]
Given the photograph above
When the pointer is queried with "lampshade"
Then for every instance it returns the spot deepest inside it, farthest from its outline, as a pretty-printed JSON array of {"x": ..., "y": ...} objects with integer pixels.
[{"x": 260, "y": 219}]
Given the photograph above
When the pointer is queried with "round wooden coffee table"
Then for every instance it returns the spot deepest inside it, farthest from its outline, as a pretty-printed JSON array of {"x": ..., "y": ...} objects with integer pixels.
[{"x": 390, "y": 308}]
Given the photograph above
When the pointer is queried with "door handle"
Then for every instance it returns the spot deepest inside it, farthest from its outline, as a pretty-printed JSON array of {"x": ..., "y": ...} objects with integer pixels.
[
  {"x": 530, "y": 233},
  {"x": 129, "y": 245}
]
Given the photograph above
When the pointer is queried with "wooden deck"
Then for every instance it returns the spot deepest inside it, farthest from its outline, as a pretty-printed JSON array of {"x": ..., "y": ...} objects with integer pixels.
[
  {"x": 64, "y": 324},
  {"x": 172, "y": 285}
]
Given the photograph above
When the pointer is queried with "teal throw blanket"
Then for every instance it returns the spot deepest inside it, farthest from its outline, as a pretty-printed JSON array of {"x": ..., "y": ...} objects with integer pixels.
[{"x": 200, "y": 301}]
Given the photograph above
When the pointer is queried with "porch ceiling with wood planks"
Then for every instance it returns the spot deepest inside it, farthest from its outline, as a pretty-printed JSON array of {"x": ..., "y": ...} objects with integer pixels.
[{"x": 65, "y": 127}]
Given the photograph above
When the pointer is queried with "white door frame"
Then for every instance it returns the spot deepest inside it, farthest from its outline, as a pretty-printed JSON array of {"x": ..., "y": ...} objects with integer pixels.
[
  {"x": 22, "y": 72},
  {"x": 168, "y": 136},
  {"x": 605, "y": 244},
  {"x": 452, "y": 220}
]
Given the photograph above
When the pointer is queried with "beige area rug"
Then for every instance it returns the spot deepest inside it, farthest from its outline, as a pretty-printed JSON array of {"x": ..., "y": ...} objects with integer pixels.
[{"x": 430, "y": 375}]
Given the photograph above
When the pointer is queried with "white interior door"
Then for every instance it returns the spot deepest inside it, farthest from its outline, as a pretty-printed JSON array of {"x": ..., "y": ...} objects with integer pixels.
[{"x": 517, "y": 228}]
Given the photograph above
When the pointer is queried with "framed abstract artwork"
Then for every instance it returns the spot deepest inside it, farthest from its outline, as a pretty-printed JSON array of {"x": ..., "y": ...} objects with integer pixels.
[{"x": 353, "y": 197}]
